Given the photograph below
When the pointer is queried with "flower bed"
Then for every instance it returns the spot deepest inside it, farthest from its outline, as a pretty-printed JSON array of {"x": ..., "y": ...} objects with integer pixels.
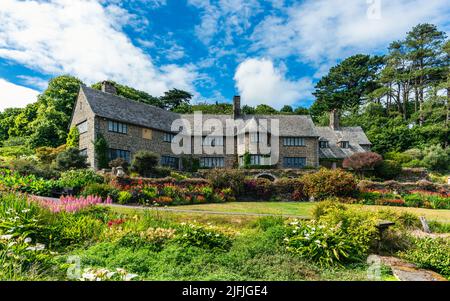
[
  {"x": 414, "y": 198},
  {"x": 169, "y": 193},
  {"x": 69, "y": 204}
]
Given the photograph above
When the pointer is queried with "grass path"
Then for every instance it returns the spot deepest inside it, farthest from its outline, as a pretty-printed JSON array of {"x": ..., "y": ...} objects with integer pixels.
[{"x": 283, "y": 208}]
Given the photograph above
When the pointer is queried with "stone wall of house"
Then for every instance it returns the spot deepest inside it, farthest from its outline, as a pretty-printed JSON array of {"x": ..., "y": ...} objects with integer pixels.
[
  {"x": 82, "y": 112},
  {"x": 133, "y": 141},
  {"x": 310, "y": 151}
]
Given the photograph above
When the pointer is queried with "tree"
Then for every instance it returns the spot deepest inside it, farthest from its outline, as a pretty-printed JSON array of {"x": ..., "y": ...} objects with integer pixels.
[
  {"x": 132, "y": 93},
  {"x": 101, "y": 151},
  {"x": 437, "y": 158},
  {"x": 144, "y": 163},
  {"x": 175, "y": 98},
  {"x": 247, "y": 110},
  {"x": 360, "y": 162},
  {"x": 347, "y": 84},
  {"x": 287, "y": 109},
  {"x": 425, "y": 51},
  {"x": 73, "y": 138},
  {"x": 70, "y": 159},
  {"x": 264, "y": 109},
  {"x": 301, "y": 111},
  {"x": 7, "y": 118}
]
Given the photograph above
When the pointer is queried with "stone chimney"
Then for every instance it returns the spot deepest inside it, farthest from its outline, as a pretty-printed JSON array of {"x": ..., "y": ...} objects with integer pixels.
[
  {"x": 108, "y": 87},
  {"x": 236, "y": 107},
  {"x": 334, "y": 119}
]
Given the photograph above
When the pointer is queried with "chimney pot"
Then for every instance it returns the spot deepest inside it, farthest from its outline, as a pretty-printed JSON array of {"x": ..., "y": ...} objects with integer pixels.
[
  {"x": 108, "y": 87},
  {"x": 236, "y": 106}
]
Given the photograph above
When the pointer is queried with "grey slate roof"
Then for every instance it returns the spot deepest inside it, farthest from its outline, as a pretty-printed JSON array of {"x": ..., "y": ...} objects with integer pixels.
[
  {"x": 129, "y": 111},
  {"x": 354, "y": 135},
  {"x": 125, "y": 110}
]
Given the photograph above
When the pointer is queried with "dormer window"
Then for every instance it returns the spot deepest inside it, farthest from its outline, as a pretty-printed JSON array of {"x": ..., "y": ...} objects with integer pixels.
[
  {"x": 344, "y": 144},
  {"x": 323, "y": 144}
]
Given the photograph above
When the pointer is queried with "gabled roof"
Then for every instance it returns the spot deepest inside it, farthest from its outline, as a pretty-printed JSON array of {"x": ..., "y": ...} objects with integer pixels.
[
  {"x": 354, "y": 135},
  {"x": 118, "y": 108}
]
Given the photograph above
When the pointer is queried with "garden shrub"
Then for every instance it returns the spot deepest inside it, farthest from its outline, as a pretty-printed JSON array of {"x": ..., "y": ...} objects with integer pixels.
[
  {"x": 339, "y": 236},
  {"x": 144, "y": 163},
  {"x": 119, "y": 162},
  {"x": 73, "y": 138},
  {"x": 207, "y": 237},
  {"x": 362, "y": 161},
  {"x": 413, "y": 200},
  {"x": 261, "y": 188},
  {"x": 75, "y": 229},
  {"x": 287, "y": 185},
  {"x": 27, "y": 167},
  {"x": 329, "y": 183},
  {"x": 124, "y": 197},
  {"x": 226, "y": 178},
  {"x": 437, "y": 158},
  {"x": 323, "y": 207},
  {"x": 78, "y": 179},
  {"x": 161, "y": 171},
  {"x": 430, "y": 253},
  {"x": 102, "y": 190},
  {"x": 70, "y": 159},
  {"x": 388, "y": 169}
]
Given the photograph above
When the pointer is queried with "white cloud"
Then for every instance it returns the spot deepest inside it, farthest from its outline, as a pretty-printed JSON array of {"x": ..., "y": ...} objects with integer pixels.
[
  {"x": 34, "y": 81},
  {"x": 231, "y": 17},
  {"x": 320, "y": 32},
  {"x": 85, "y": 39},
  {"x": 260, "y": 82},
  {"x": 14, "y": 96}
]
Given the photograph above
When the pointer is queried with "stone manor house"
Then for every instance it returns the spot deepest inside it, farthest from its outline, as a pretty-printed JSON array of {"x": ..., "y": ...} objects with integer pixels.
[{"x": 129, "y": 126}]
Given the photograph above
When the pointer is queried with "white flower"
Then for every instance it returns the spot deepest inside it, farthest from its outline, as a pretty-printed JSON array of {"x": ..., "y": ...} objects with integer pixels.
[
  {"x": 26, "y": 210},
  {"x": 27, "y": 240},
  {"x": 129, "y": 277},
  {"x": 5, "y": 237}
]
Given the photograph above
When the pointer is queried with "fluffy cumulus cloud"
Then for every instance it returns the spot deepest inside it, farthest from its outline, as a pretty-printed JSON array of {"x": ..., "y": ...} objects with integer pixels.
[
  {"x": 12, "y": 95},
  {"x": 259, "y": 81},
  {"x": 320, "y": 32},
  {"x": 84, "y": 38}
]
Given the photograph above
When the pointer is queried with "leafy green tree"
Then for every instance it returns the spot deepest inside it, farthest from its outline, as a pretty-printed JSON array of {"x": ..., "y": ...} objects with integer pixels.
[
  {"x": 301, "y": 111},
  {"x": 425, "y": 51},
  {"x": 73, "y": 138},
  {"x": 264, "y": 109},
  {"x": 101, "y": 151},
  {"x": 175, "y": 98},
  {"x": 347, "y": 84},
  {"x": 287, "y": 109},
  {"x": 248, "y": 110},
  {"x": 7, "y": 121}
]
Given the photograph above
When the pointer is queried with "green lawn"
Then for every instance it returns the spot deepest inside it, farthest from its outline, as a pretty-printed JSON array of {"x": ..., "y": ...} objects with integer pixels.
[
  {"x": 279, "y": 208},
  {"x": 304, "y": 209}
]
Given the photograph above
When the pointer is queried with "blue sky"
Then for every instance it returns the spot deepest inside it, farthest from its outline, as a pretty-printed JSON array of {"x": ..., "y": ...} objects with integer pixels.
[{"x": 269, "y": 52}]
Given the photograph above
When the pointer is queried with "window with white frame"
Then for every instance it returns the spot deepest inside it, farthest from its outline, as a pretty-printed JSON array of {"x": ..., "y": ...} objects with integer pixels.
[
  {"x": 117, "y": 127},
  {"x": 82, "y": 127},
  {"x": 293, "y": 141},
  {"x": 212, "y": 162}
]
